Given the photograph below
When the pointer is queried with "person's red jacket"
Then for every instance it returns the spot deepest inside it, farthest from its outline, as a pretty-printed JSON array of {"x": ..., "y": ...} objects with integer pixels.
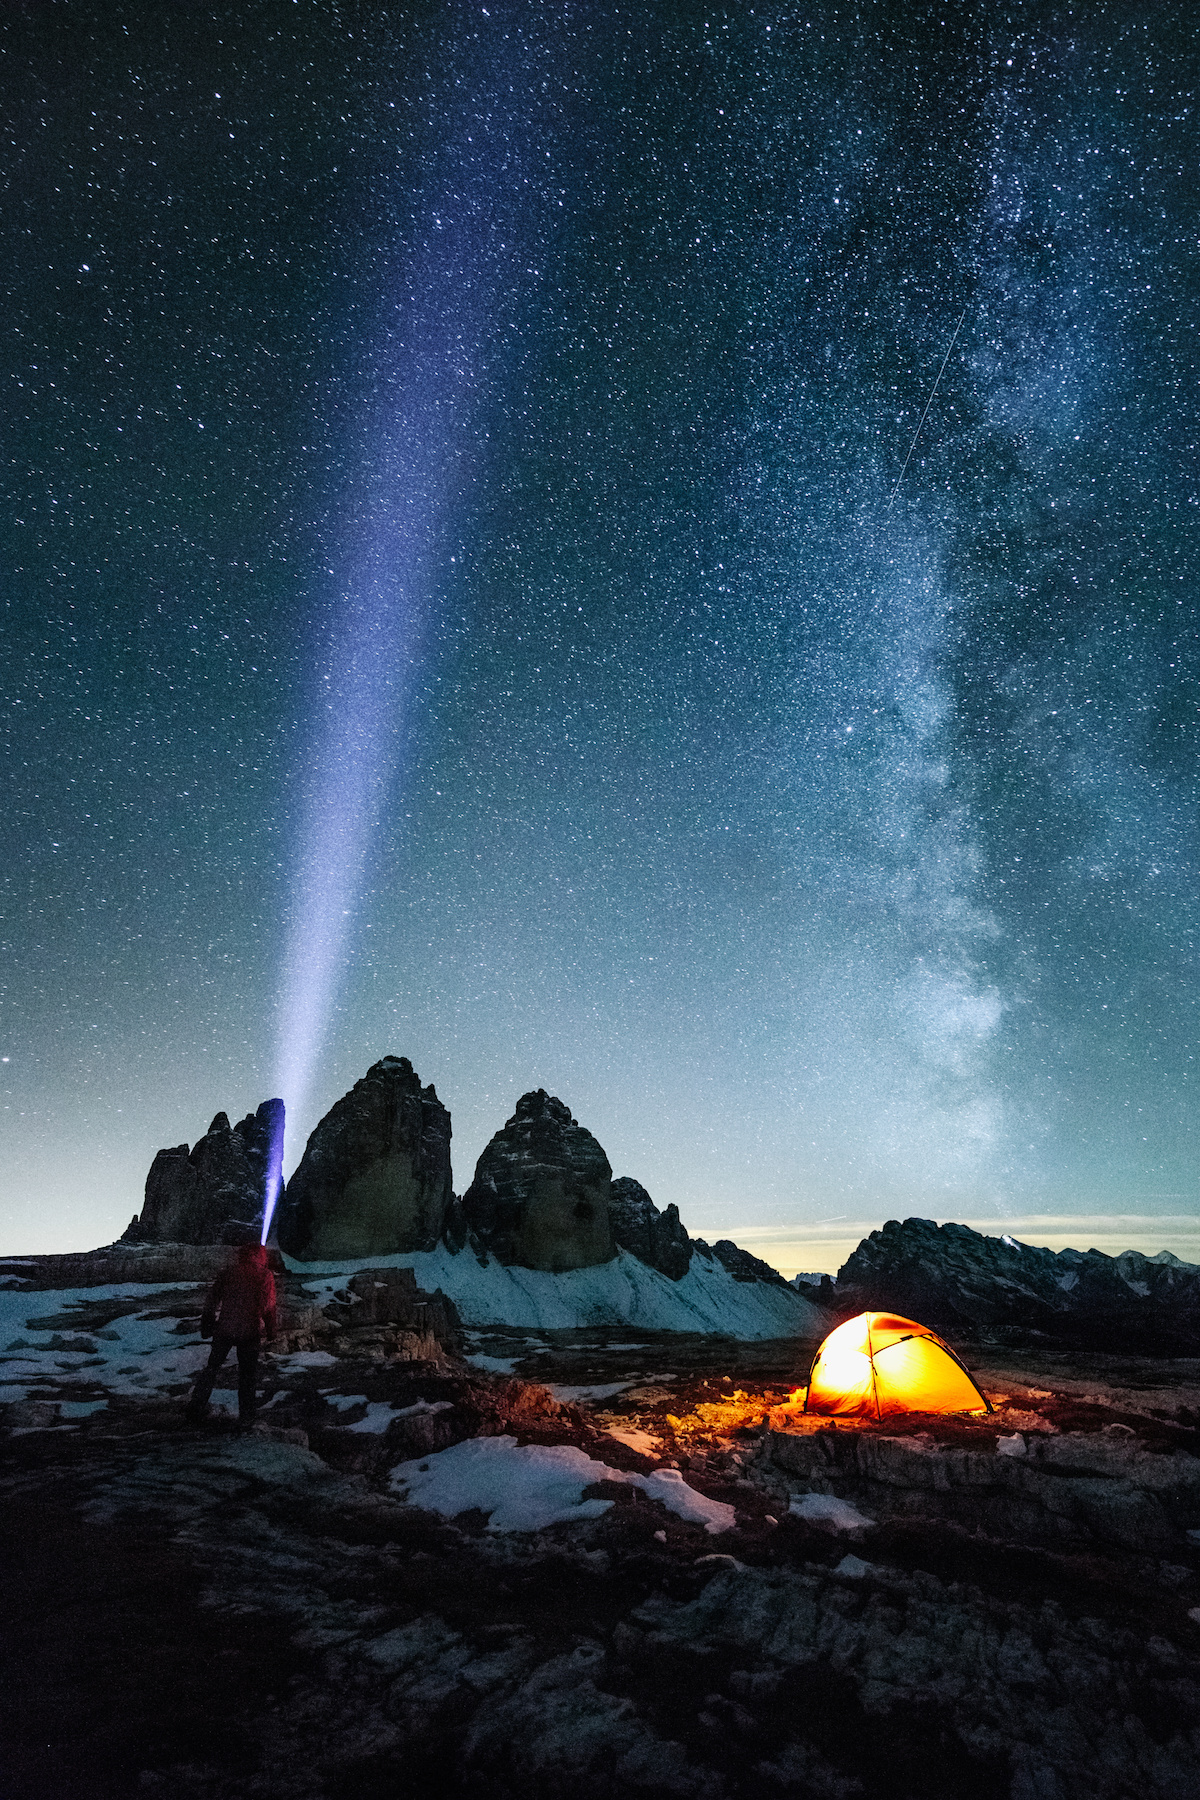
[{"x": 241, "y": 1301}]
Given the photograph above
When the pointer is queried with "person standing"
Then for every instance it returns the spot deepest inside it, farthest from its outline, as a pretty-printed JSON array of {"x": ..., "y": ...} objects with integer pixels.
[{"x": 239, "y": 1310}]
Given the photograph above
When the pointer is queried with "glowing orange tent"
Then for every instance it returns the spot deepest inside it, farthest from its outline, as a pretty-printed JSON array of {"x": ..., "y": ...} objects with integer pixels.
[{"x": 879, "y": 1364}]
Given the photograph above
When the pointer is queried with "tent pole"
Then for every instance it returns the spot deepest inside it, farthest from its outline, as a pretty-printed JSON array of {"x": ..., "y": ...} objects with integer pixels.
[
  {"x": 962, "y": 1365},
  {"x": 871, "y": 1360}
]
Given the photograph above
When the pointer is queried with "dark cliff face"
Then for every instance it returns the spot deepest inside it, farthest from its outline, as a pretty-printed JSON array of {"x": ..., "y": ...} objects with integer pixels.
[
  {"x": 199, "y": 1196},
  {"x": 741, "y": 1265},
  {"x": 375, "y": 1176},
  {"x": 955, "y": 1279},
  {"x": 540, "y": 1197},
  {"x": 638, "y": 1226}
]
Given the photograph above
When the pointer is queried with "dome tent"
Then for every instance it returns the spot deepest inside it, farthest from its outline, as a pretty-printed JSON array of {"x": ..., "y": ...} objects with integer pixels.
[{"x": 878, "y": 1364}]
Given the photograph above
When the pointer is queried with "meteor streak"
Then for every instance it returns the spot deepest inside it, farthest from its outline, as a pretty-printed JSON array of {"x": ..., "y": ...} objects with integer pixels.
[{"x": 933, "y": 390}]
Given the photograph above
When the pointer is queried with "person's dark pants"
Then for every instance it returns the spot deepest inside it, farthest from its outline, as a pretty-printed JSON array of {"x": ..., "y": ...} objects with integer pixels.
[{"x": 247, "y": 1357}]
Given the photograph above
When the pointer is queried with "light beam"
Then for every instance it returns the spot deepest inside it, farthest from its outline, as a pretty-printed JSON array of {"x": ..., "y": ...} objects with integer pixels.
[{"x": 465, "y": 266}]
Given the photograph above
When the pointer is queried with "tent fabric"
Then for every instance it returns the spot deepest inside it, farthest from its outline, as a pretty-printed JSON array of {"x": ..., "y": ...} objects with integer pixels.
[{"x": 878, "y": 1364}]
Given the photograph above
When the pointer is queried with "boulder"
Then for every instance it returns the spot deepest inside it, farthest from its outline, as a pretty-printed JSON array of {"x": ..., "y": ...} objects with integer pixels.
[
  {"x": 957, "y": 1280},
  {"x": 658, "y": 1238},
  {"x": 540, "y": 1196},
  {"x": 215, "y": 1191},
  {"x": 374, "y": 1179},
  {"x": 380, "y": 1315},
  {"x": 392, "y": 1297}
]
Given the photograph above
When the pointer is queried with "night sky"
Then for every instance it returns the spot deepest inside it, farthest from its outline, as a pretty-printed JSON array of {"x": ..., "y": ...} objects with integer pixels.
[{"x": 461, "y": 600}]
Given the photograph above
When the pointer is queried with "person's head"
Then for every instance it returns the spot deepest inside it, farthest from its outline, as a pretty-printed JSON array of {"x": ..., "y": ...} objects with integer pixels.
[{"x": 254, "y": 1254}]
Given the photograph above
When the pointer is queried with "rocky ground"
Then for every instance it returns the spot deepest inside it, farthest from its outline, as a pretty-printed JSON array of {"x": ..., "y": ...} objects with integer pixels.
[{"x": 737, "y": 1601}]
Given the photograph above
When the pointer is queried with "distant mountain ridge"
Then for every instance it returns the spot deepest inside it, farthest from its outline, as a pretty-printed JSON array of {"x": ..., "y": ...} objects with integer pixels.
[
  {"x": 214, "y": 1192},
  {"x": 959, "y": 1281}
]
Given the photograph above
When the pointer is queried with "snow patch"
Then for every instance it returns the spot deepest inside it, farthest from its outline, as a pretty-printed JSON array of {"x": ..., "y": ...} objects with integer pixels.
[
  {"x": 523, "y": 1489},
  {"x": 135, "y": 1353},
  {"x": 379, "y": 1417},
  {"x": 527, "y": 1487},
  {"x": 830, "y": 1513},
  {"x": 854, "y": 1568},
  {"x": 636, "y": 1440},
  {"x": 380, "y": 1413},
  {"x": 669, "y": 1486}
]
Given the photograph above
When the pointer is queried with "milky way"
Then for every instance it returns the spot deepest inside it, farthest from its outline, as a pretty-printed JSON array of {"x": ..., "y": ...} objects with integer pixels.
[{"x": 462, "y": 600}]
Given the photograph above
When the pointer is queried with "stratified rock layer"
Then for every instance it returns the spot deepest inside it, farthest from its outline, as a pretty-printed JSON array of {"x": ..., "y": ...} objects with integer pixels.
[
  {"x": 540, "y": 1197},
  {"x": 957, "y": 1280},
  {"x": 194, "y": 1197},
  {"x": 375, "y": 1176},
  {"x": 1077, "y": 1490},
  {"x": 658, "y": 1238}
]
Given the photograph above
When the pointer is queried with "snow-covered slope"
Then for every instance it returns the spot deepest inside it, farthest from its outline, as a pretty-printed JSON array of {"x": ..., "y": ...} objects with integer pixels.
[
  {"x": 625, "y": 1291},
  {"x": 139, "y": 1353}
]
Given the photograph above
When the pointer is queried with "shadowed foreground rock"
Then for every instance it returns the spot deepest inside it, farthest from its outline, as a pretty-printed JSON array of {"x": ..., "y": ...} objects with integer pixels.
[
  {"x": 1012, "y": 1615},
  {"x": 957, "y": 1280},
  {"x": 375, "y": 1176},
  {"x": 540, "y": 1197},
  {"x": 658, "y": 1238},
  {"x": 192, "y": 1197},
  {"x": 380, "y": 1313}
]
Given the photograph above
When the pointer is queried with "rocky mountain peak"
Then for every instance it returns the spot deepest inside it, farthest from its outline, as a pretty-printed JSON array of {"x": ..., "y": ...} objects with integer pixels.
[
  {"x": 740, "y": 1263},
  {"x": 958, "y": 1280},
  {"x": 375, "y": 1177},
  {"x": 216, "y": 1190},
  {"x": 538, "y": 1104},
  {"x": 540, "y": 1197},
  {"x": 658, "y": 1238}
]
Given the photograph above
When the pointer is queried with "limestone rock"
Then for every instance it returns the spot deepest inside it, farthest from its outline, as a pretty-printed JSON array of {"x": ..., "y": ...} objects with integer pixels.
[
  {"x": 658, "y": 1238},
  {"x": 206, "y": 1194},
  {"x": 540, "y": 1196},
  {"x": 1071, "y": 1492},
  {"x": 957, "y": 1280},
  {"x": 375, "y": 1176},
  {"x": 911, "y": 1649}
]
